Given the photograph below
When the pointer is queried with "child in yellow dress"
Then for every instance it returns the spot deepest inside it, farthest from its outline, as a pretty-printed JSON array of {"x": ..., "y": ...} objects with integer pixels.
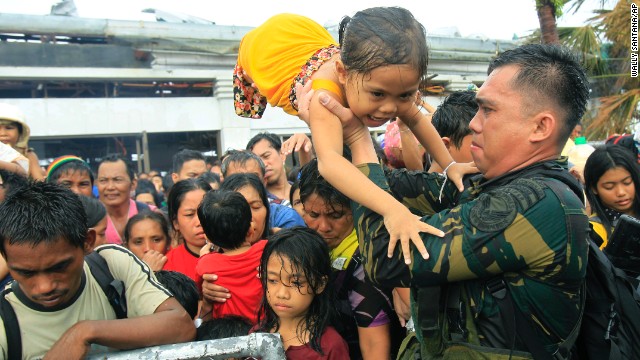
[{"x": 376, "y": 72}]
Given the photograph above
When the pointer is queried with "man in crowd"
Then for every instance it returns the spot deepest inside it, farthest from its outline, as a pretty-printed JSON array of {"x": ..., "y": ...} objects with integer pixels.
[
  {"x": 267, "y": 146},
  {"x": 116, "y": 182},
  {"x": 62, "y": 311},
  {"x": 188, "y": 164},
  {"x": 518, "y": 236},
  {"x": 451, "y": 119}
]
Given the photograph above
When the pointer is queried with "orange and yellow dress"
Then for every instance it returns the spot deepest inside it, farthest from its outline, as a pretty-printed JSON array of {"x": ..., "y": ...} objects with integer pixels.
[{"x": 273, "y": 57}]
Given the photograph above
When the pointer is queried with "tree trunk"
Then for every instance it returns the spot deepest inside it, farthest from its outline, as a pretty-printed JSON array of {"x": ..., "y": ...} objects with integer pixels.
[{"x": 547, "y": 19}]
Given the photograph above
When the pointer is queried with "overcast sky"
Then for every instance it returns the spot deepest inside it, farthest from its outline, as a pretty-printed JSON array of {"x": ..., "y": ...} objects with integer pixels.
[{"x": 495, "y": 19}]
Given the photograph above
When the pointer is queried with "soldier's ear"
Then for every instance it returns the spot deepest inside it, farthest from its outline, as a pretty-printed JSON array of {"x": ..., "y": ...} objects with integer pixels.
[{"x": 544, "y": 127}]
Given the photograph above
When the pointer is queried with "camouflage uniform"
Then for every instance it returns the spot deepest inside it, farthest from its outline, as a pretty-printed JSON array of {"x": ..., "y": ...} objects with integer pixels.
[{"x": 513, "y": 225}]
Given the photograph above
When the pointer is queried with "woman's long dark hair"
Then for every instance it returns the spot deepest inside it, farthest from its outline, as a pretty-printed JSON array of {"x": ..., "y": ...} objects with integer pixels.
[
  {"x": 178, "y": 192},
  {"x": 237, "y": 181},
  {"x": 600, "y": 161},
  {"x": 309, "y": 255}
]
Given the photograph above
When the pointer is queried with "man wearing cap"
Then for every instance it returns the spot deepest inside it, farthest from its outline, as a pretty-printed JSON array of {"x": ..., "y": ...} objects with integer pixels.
[{"x": 73, "y": 173}]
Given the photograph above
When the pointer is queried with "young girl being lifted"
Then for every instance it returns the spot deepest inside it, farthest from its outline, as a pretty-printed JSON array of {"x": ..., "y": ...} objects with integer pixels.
[{"x": 376, "y": 72}]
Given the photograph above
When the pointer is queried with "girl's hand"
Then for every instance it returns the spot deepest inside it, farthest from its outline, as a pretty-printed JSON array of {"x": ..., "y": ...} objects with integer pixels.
[
  {"x": 212, "y": 292},
  {"x": 456, "y": 171},
  {"x": 404, "y": 226}
]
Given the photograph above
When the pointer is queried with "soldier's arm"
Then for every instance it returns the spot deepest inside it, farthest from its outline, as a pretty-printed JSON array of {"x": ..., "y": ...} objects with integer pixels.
[
  {"x": 420, "y": 191},
  {"x": 519, "y": 226}
]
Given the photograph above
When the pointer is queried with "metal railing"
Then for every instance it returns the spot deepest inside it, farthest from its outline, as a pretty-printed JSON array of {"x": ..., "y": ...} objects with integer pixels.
[{"x": 263, "y": 345}]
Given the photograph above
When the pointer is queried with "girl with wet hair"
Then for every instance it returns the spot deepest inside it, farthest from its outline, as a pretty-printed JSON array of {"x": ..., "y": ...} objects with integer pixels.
[{"x": 376, "y": 72}]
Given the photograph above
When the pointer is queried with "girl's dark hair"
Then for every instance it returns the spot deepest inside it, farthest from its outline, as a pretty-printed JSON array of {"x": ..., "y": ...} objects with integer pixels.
[
  {"x": 605, "y": 158},
  {"x": 178, "y": 191},
  {"x": 94, "y": 209},
  {"x": 237, "y": 181},
  {"x": 147, "y": 215},
  {"x": 383, "y": 36},
  {"x": 309, "y": 255}
]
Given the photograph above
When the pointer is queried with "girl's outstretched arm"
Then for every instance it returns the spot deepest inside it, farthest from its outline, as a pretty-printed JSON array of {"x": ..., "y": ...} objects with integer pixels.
[{"x": 327, "y": 134}]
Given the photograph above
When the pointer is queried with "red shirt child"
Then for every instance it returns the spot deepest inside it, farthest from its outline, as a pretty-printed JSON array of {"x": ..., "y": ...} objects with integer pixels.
[{"x": 238, "y": 273}]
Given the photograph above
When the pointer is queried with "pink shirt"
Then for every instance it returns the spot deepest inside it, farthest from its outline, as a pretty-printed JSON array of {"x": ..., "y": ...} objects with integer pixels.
[{"x": 111, "y": 233}]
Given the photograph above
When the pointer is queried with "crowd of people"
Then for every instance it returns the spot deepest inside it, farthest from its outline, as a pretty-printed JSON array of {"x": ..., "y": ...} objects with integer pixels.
[{"x": 349, "y": 256}]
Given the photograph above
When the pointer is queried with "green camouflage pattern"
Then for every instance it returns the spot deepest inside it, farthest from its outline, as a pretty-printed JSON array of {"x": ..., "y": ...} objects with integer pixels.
[{"x": 511, "y": 225}]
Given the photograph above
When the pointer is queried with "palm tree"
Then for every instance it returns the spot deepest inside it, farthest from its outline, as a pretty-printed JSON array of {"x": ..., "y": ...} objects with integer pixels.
[
  {"x": 618, "y": 92},
  {"x": 604, "y": 44},
  {"x": 548, "y": 11}
]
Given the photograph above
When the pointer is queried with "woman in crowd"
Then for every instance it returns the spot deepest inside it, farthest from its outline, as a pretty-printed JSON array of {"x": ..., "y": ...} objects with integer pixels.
[
  {"x": 611, "y": 178},
  {"x": 182, "y": 204},
  {"x": 147, "y": 236},
  {"x": 253, "y": 190}
]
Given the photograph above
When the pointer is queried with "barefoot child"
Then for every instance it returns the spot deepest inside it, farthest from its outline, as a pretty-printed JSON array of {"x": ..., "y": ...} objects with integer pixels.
[
  {"x": 376, "y": 72},
  {"x": 294, "y": 271}
]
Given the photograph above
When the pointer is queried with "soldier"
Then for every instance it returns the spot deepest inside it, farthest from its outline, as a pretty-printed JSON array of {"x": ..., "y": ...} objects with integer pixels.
[{"x": 517, "y": 233}]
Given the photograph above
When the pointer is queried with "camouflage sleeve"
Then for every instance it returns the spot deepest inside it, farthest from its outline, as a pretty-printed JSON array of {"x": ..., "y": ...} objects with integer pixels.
[
  {"x": 420, "y": 191},
  {"x": 519, "y": 226}
]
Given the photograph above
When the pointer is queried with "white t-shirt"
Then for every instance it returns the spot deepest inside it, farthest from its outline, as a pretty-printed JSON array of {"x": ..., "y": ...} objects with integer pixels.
[{"x": 41, "y": 329}]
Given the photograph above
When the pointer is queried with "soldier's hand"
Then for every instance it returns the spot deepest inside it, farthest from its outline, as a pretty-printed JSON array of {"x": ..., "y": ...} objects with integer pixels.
[{"x": 304, "y": 94}]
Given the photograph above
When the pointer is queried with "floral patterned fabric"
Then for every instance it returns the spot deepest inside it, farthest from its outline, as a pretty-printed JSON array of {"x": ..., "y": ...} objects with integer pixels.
[
  {"x": 246, "y": 98},
  {"x": 312, "y": 65}
]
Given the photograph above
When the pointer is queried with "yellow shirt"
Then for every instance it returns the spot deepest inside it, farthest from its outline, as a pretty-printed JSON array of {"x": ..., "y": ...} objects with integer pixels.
[
  {"x": 342, "y": 254},
  {"x": 273, "y": 54}
]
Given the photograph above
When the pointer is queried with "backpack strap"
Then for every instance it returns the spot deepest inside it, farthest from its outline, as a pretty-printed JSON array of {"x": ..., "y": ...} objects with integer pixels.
[
  {"x": 113, "y": 288},
  {"x": 11, "y": 327},
  {"x": 514, "y": 319}
]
